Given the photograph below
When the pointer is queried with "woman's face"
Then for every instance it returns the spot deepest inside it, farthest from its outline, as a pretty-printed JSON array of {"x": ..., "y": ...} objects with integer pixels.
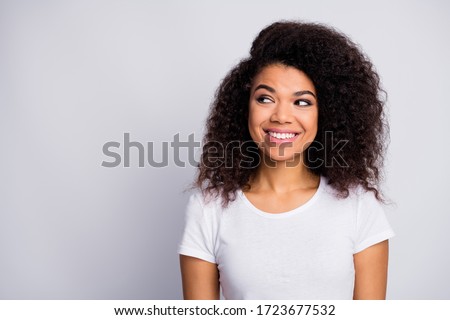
[{"x": 283, "y": 112}]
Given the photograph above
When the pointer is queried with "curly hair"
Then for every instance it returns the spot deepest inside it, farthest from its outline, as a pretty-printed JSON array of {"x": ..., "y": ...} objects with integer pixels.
[{"x": 351, "y": 107}]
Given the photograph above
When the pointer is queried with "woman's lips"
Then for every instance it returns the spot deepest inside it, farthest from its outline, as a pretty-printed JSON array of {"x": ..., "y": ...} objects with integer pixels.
[
  {"x": 271, "y": 138},
  {"x": 277, "y": 130}
]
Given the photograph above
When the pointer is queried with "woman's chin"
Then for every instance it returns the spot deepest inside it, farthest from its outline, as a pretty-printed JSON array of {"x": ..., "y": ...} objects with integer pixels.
[{"x": 286, "y": 159}]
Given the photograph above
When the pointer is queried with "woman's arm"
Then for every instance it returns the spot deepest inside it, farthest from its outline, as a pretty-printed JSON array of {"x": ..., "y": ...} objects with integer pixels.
[
  {"x": 200, "y": 279},
  {"x": 371, "y": 266}
]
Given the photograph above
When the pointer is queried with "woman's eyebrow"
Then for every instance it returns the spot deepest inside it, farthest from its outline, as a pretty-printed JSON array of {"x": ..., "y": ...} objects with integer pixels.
[
  {"x": 272, "y": 90},
  {"x": 265, "y": 86},
  {"x": 300, "y": 93}
]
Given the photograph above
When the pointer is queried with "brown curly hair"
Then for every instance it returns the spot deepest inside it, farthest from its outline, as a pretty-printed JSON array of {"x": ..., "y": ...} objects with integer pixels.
[{"x": 351, "y": 107}]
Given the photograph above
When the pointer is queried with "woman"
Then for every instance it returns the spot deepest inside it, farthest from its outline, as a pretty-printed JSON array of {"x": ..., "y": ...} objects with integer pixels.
[{"x": 288, "y": 203}]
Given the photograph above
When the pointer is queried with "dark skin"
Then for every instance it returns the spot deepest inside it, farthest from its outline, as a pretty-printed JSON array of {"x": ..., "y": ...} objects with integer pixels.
[{"x": 200, "y": 279}]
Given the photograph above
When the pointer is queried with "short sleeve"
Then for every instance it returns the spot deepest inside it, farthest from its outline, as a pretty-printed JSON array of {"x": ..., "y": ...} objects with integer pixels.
[
  {"x": 198, "y": 235},
  {"x": 372, "y": 225}
]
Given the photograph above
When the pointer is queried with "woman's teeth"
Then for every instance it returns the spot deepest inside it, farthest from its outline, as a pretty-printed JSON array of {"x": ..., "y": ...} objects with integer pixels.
[{"x": 282, "y": 135}]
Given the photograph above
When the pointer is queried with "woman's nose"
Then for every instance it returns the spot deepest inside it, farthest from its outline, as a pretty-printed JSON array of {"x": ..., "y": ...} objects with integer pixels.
[{"x": 282, "y": 113}]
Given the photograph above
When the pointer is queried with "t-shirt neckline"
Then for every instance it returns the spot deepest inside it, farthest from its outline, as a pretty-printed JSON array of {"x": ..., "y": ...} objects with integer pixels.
[{"x": 289, "y": 213}]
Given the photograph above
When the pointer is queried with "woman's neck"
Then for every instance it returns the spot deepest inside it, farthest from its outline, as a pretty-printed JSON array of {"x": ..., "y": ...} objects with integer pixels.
[{"x": 283, "y": 176}]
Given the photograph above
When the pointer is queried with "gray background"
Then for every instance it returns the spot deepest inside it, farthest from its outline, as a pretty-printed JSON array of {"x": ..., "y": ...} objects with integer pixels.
[{"x": 77, "y": 74}]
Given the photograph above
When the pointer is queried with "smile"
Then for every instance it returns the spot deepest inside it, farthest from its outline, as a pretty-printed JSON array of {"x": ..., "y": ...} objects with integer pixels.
[
  {"x": 282, "y": 135},
  {"x": 275, "y": 136}
]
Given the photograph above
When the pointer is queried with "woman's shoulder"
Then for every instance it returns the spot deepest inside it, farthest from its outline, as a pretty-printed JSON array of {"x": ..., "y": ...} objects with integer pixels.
[
  {"x": 205, "y": 200},
  {"x": 213, "y": 204},
  {"x": 356, "y": 194}
]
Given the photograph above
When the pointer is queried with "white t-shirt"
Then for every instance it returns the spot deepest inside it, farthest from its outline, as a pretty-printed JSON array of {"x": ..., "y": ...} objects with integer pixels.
[{"x": 305, "y": 253}]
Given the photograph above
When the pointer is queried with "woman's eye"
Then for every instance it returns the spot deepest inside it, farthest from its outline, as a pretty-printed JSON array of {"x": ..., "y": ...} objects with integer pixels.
[
  {"x": 303, "y": 103},
  {"x": 263, "y": 99}
]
